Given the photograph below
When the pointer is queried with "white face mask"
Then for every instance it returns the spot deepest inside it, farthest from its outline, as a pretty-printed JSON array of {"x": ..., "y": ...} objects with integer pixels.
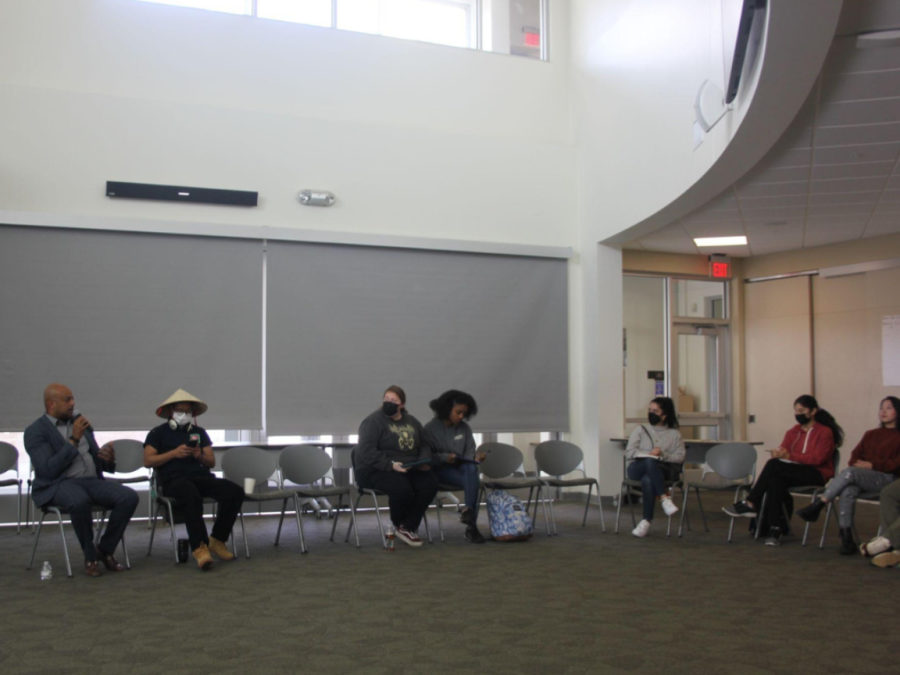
[{"x": 181, "y": 418}]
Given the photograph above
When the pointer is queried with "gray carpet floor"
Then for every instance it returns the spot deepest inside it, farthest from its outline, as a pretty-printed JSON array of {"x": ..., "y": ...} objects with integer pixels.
[{"x": 578, "y": 603}]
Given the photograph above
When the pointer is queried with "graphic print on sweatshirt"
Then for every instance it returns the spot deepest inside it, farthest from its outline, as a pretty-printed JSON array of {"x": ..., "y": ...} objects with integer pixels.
[{"x": 406, "y": 436}]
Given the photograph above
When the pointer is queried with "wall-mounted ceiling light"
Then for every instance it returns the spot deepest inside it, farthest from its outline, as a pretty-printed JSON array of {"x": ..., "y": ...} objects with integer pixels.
[
  {"x": 315, "y": 198},
  {"x": 881, "y": 38},
  {"x": 720, "y": 241}
]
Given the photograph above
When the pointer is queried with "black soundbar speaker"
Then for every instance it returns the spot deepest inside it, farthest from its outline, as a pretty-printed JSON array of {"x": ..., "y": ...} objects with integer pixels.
[{"x": 179, "y": 193}]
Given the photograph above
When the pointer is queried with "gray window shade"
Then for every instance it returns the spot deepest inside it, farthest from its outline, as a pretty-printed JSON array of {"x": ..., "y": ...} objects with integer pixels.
[
  {"x": 125, "y": 319},
  {"x": 345, "y": 322}
]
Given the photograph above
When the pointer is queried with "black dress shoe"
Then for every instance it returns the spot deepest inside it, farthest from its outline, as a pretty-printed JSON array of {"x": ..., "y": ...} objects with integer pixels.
[
  {"x": 467, "y": 517},
  {"x": 811, "y": 513},
  {"x": 473, "y": 536}
]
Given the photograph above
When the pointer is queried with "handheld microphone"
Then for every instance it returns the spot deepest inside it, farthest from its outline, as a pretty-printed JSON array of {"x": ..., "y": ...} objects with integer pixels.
[{"x": 76, "y": 415}]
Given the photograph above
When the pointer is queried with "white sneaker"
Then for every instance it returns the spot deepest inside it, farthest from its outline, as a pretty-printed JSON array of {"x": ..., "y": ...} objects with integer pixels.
[
  {"x": 642, "y": 529},
  {"x": 668, "y": 506},
  {"x": 876, "y": 546}
]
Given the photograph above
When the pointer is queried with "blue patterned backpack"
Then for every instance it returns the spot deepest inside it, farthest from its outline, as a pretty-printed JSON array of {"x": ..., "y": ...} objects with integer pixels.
[{"x": 509, "y": 520}]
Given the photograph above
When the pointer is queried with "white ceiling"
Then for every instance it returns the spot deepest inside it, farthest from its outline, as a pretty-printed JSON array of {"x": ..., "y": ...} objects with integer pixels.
[{"x": 835, "y": 173}]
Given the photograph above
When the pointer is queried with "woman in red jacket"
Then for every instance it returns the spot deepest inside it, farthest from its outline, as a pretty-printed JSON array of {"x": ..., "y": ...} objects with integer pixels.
[
  {"x": 805, "y": 457},
  {"x": 875, "y": 463}
]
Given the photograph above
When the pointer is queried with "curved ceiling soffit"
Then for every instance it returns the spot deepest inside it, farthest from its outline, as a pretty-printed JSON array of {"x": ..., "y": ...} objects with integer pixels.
[{"x": 794, "y": 52}]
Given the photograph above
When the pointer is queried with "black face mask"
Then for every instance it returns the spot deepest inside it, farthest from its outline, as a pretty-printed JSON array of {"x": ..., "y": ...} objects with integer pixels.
[
  {"x": 389, "y": 409},
  {"x": 801, "y": 419},
  {"x": 653, "y": 418}
]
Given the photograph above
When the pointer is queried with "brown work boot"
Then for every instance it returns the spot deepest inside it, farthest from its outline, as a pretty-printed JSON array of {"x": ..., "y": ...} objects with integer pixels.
[
  {"x": 220, "y": 549},
  {"x": 92, "y": 568},
  {"x": 203, "y": 558},
  {"x": 886, "y": 560}
]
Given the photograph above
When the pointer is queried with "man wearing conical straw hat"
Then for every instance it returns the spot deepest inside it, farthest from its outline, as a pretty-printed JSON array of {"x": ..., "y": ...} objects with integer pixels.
[{"x": 182, "y": 455}]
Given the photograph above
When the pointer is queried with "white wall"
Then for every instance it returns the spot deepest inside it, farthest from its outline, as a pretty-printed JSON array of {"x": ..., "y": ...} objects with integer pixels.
[
  {"x": 637, "y": 66},
  {"x": 415, "y": 139}
]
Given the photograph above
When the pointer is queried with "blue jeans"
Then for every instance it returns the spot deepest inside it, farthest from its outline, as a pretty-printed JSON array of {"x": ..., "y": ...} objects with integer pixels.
[
  {"x": 649, "y": 472},
  {"x": 462, "y": 475}
]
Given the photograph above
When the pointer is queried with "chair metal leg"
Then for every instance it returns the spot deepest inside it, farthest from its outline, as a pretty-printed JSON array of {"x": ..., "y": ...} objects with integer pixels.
[
  {"x": 299, "y": 524},
  {"x": 759, "y": 516},
  {"x": 281, "y": 520},
  {"x": 587, "y": 505},
  {"x": 384, "y": 542},
  {"x": 684, "y": 502},
  {"x": 62, "y": 533},
  {"x": 36, "y": 539},
  {"x": 825, "y": 524},
  {"x": 631, "y": 506},
  {"x": 553, "y": 518},
  {"x": 172, "y": 531},
  {"x": 440, "y": 508},
  {"x": 125, "y": 551},
  {"x": 702, "y": 510},
  {"x": 546, "y": 519},
  {"x": 353, "y": 519},
  {"x": 619, "y": 508},
  {"x": 19, "y": 511},
  {"x": 352, "y": 522},
  {"x": 244, "y": 534},
  {"x": 427, "y": 531},
  {"x": 337, "y": 513},
  {"x": 152, "y": 525}
]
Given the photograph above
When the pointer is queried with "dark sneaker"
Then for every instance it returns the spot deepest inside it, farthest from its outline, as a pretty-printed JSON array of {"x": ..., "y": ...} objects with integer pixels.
[
  {"x": 811, "y": 513},
  {"x": 848, "y": 544},
  {"x": 473, "y": 536},
  {"x": 467, "y": 517},
  {"x": 774, "y": 537},
  {"x": 408, "y": 537},
  {"x": 740, "y": 510}
]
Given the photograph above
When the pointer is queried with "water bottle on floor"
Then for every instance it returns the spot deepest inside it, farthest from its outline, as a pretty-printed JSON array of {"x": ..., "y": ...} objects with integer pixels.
[
  {"x": 390, "y": 537},
  {"x": 46, "y": 571}
]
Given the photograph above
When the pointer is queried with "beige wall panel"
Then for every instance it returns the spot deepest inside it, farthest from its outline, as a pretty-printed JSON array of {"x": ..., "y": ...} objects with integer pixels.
[
  {"x": 779, "y": 367},
  {"x": 842, "y": 362},
  {"x": 770, "y": 299},
  {"x": 882, "y": 291},
  {"x": 839, "y": 294}
]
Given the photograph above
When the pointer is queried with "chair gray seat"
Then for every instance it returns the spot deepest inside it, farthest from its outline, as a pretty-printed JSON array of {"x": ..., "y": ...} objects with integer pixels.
[
  {"x": 443, "y": 487},
  {"x": 569, "y": 482},
  {"x": 270, "y": 495},
  {"x": 317, "y": 491},
  {"x": 133, "y": 479},
  {"x": 512, "y": 483}
]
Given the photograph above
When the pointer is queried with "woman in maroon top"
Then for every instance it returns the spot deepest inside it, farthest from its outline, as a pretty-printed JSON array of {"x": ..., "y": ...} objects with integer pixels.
[
  {"x": 805, "y": 457},
  {"x": 875, "y": 463}
]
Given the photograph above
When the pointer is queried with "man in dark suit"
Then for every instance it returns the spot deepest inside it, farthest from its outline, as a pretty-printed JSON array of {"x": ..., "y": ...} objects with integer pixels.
[{"x": 68, "y": 468}]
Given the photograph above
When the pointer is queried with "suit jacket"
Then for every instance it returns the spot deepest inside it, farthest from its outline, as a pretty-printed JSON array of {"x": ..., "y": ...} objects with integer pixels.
[{"x": 51, "y": 456}]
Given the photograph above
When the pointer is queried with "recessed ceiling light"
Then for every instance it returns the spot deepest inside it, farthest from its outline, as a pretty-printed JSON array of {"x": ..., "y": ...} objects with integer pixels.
[{"x": 720, "y": 241}]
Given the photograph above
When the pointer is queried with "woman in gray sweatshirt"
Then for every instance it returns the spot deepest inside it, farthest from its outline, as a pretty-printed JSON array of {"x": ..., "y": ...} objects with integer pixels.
[
  {"x": 656, "y": 451},
  {"x": 390, "y": 441},
  {"x": 453, "y": 447}
]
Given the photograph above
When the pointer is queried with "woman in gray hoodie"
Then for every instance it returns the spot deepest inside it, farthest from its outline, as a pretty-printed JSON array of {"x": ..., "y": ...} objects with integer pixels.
[{"x": 657, "y": 454}]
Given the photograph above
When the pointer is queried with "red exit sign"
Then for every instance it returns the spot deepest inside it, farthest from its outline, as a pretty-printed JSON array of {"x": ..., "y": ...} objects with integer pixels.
[{"x": 720, "y": 270}]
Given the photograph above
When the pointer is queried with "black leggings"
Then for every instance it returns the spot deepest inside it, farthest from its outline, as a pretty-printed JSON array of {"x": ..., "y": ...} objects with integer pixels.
[
  {"x": 775, "y": 481},
  {"x": 409, "y": 494}
]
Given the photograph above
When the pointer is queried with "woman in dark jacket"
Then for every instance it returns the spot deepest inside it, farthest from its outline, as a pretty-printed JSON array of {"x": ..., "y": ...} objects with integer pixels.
[{"x": 394, "y": 457}]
